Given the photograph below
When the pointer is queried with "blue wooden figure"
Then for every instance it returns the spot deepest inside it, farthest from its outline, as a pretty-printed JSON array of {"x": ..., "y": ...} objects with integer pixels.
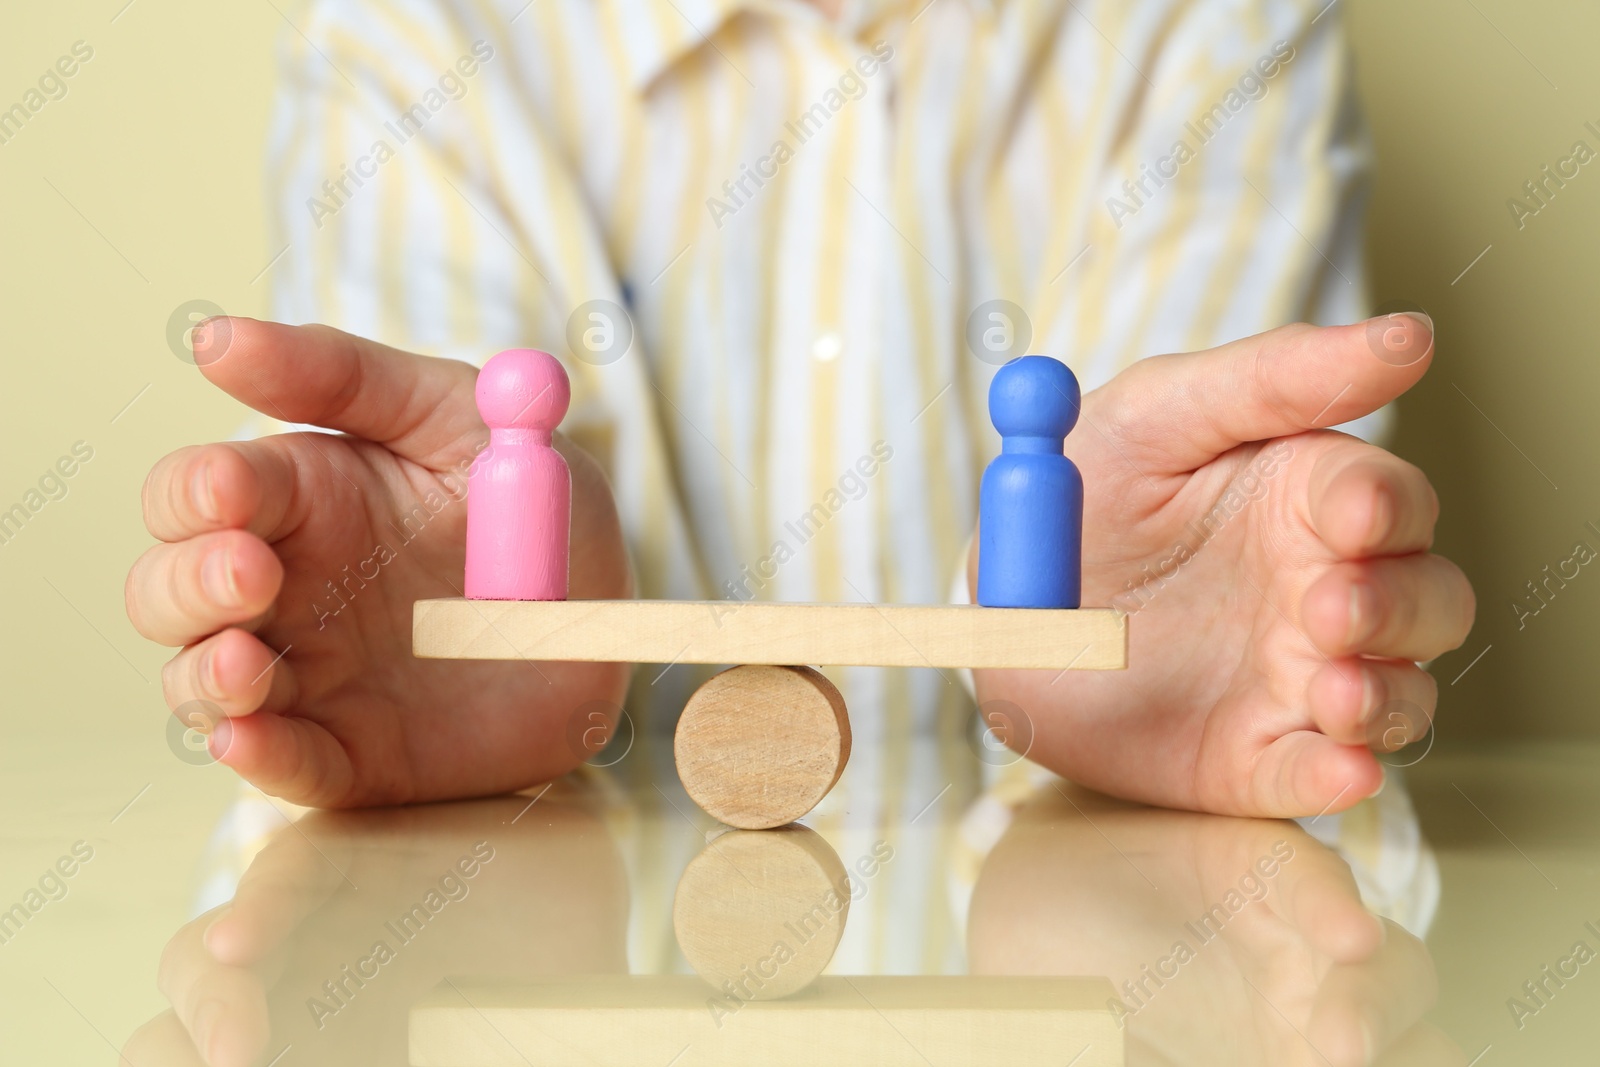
[{"x": 1030, "y": 506}]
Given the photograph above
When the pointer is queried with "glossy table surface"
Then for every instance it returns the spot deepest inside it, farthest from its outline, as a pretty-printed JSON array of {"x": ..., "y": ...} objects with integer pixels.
[{"x": 1485, "y": 863}]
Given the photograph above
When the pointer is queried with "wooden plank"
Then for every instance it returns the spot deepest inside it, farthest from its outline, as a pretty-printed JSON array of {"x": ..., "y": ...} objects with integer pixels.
[
  {"x": 885, "y": 1021},
  {"x": 722, "y": 631}
]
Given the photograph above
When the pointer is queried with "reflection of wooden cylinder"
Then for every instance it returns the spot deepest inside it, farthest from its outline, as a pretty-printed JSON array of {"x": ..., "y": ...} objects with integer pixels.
[
  {"x": 760, "y": 746},
  {"x": 758, "y": 915}
]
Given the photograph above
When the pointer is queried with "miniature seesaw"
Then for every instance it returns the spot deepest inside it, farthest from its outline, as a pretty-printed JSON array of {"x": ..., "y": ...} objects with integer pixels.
[{"x": 760, "y": 744}]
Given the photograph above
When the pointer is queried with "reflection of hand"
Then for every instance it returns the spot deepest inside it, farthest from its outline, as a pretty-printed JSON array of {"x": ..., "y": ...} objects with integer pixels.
[
  {"x": 243, "y": 978},
  {"x": 316, "y": 546},
  {"x": 1262, "y": 654},
  {"x": 1303, "y": 974}
]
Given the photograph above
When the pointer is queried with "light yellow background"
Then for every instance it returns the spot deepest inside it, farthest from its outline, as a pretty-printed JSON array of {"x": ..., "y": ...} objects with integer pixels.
[{"x": 142, "y": 189}]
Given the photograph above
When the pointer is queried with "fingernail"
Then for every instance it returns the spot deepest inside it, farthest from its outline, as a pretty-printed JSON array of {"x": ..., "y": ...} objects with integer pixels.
[
  {"x": 1422, "y": 317},
  {"x": 1368, "y": 1052},
  {"x": 1426, "y": 320},
  {"x": 1383, "y": 781},
  {"x": 1388, "y": 317},
  {"x": 1363, "y": 612},
  {"x": 221, "y": 739},
  {"x": 205, "y": 501},
  {"x": 203, "y": 342},
  {"x": 216, "y": 577}
]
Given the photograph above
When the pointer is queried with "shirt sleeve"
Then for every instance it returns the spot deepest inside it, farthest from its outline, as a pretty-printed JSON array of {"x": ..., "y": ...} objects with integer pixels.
[
  {"x": 400, "y": 133},
  {"x": 1232, "y": 195},
  {"x": 424, "y": 196}
]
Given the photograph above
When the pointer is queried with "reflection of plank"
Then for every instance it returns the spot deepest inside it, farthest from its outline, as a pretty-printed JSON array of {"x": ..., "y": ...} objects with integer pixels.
[
  {"x": 883, "y": 1021},
  {"x": 722, "y": 631}
]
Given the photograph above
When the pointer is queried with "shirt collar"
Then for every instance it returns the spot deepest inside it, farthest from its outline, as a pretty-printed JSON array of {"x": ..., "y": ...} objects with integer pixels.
[{"x": 657, "y": 33}]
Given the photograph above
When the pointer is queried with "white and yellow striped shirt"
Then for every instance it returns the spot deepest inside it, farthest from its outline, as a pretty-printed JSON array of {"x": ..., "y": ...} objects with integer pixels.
[{"x": 781, "y": 255}]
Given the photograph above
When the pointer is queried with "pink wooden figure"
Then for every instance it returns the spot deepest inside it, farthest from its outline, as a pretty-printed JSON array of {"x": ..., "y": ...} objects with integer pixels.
[{"x": 519, "y": 492}]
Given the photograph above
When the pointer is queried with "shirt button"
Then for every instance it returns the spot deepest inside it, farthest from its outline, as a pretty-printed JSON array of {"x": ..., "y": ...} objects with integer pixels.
[{"x": 826, "y": 348}]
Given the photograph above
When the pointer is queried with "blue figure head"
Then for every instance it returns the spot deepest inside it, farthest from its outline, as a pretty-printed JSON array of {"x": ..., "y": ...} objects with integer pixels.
[{"x": 1034, "y": 396}]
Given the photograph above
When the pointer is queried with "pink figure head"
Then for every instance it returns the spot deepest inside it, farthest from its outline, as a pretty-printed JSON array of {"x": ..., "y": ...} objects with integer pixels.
[{"x": 523, "y": 389}]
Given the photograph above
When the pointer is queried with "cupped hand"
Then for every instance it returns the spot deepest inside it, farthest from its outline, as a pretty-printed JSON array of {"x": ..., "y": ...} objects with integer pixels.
[
  {"x": 1227, "y": 941},
  {"x": 512, "y": 897},
  {"x": 1278, "y": 576},
  {"x": 288, "y": 567}
]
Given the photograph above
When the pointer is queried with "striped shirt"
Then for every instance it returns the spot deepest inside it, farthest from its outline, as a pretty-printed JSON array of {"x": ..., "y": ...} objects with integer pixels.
[{"x": 781, "y": 255}]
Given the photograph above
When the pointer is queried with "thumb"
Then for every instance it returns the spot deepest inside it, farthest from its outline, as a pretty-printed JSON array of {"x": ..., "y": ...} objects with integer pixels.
[
  {"x": 1182, "y": 411},
  {"x": 419, "y": 407}
]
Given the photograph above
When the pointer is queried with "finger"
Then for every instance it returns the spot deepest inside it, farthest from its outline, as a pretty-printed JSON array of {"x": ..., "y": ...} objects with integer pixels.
[
  {"x": 1309, "y": 889},
  {"x": 1189, "y": 408},
  {"x": 286, "y": 756},
  {"x": 179, "y": 593},
  {"x": 1318, "y": 898},
  {"x": 224, "y": 1009},
  {"x": 233, "y": 670},
  {"x": 288, "y": 880},
  {"x": 1363, "y": 1008},
  {"x": 1383, "y": 704},
  {"x": 162, "y": 1040},
  {"x": 1305, "y": 773},
  {"x": 246, "y": 485},
  {"x": 419, "y": 407},
  {"x": 1365, "y": 502},
  {"x": 1413, "y": 607}
]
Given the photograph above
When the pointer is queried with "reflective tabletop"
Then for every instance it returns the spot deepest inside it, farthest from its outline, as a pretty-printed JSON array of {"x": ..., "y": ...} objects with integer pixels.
[{"x": 946, "y": 905}]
